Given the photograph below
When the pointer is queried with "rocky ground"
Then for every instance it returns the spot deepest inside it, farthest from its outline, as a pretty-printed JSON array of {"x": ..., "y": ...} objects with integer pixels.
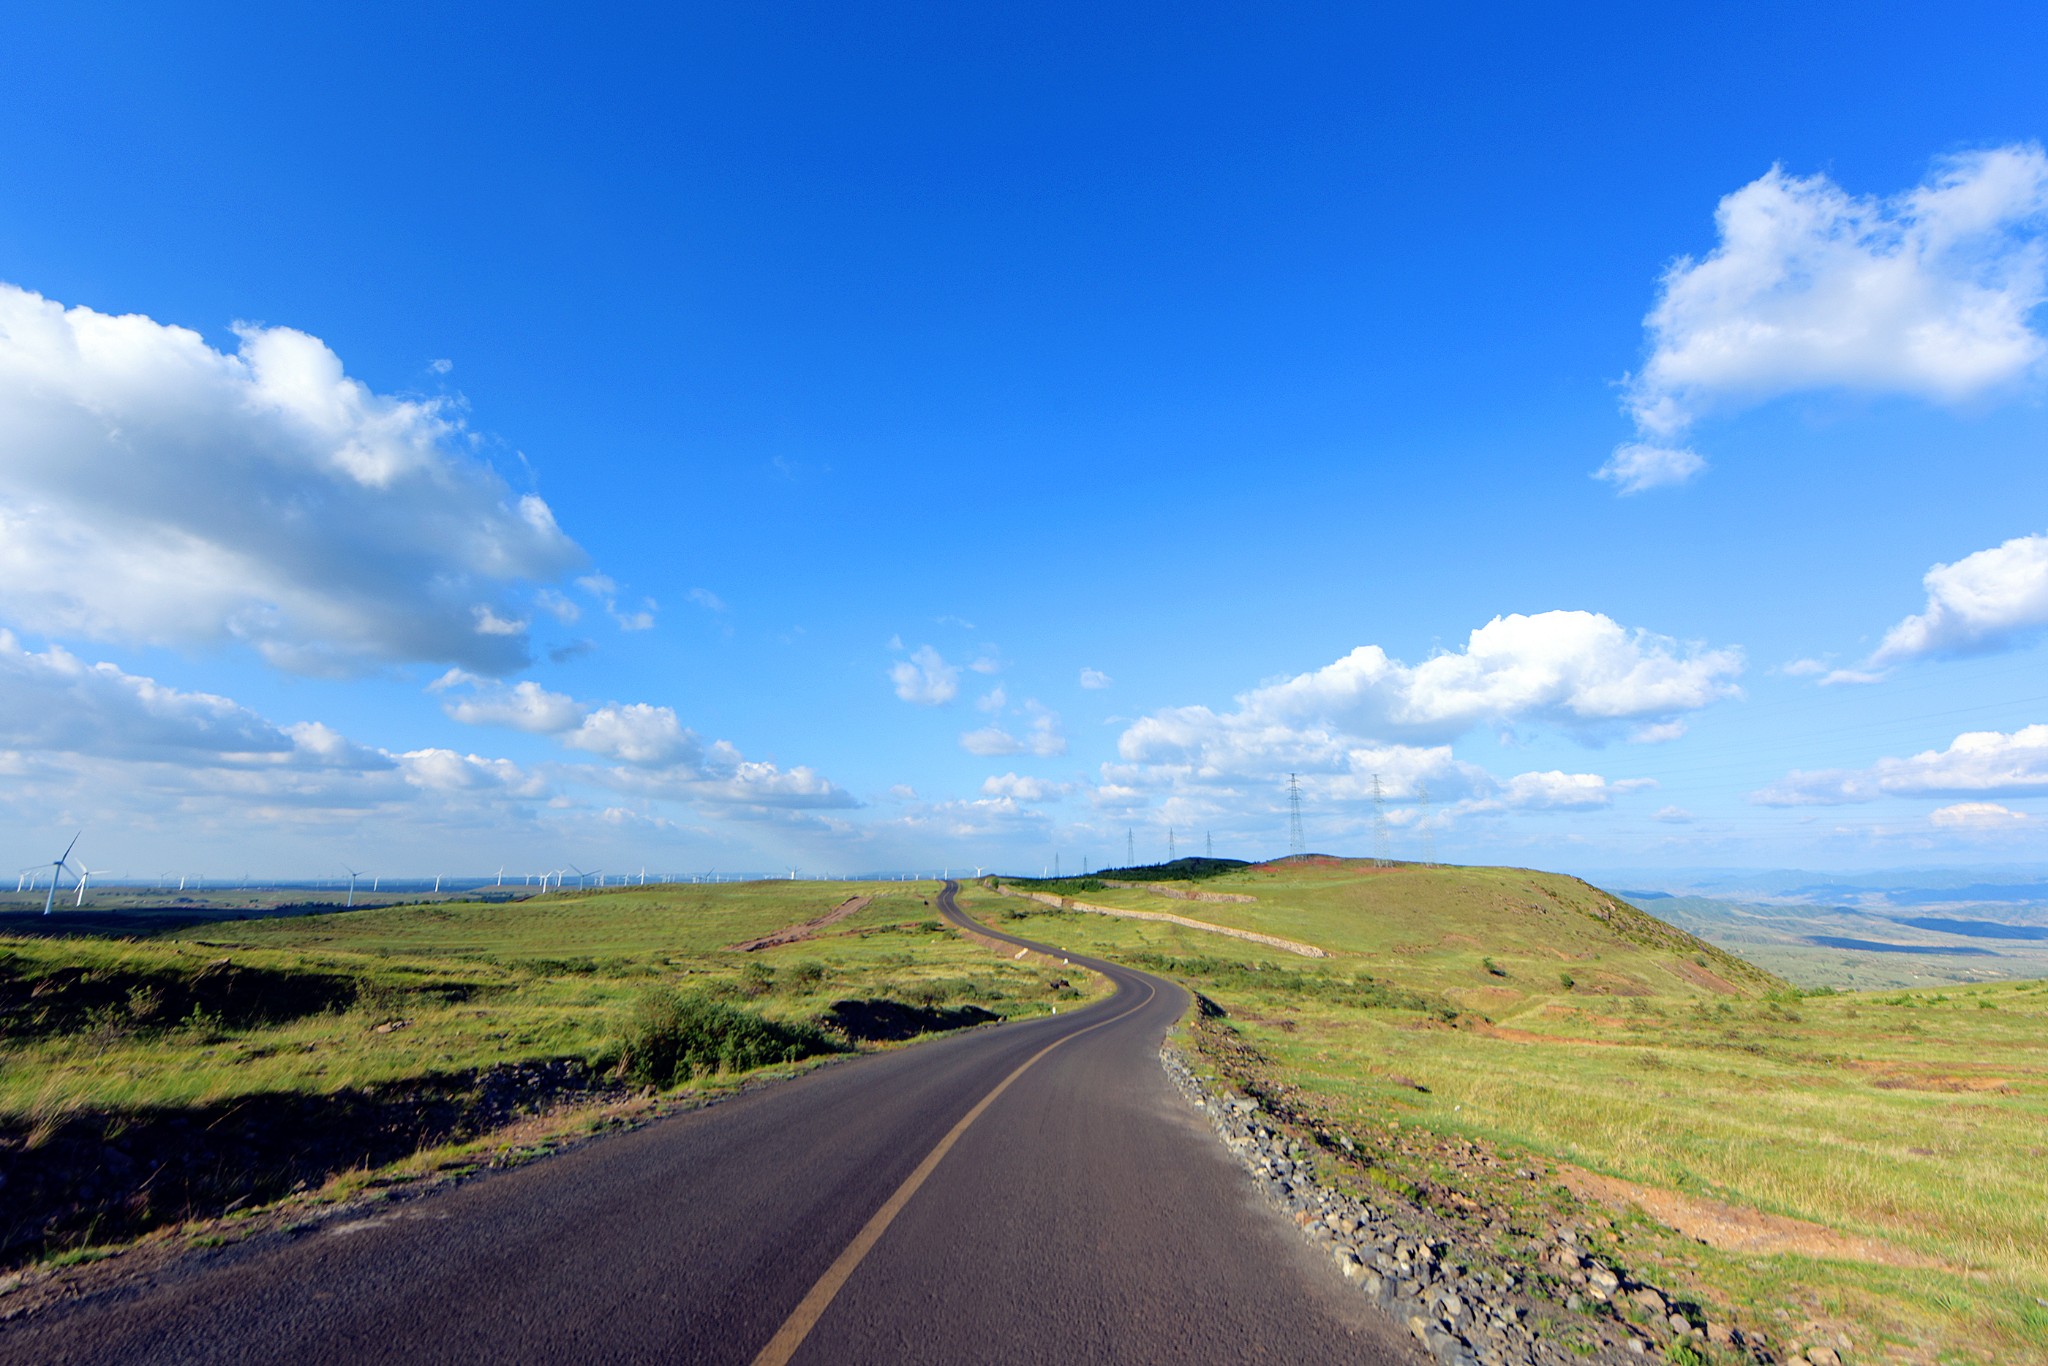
[{"x": 1478, "y": 1281}]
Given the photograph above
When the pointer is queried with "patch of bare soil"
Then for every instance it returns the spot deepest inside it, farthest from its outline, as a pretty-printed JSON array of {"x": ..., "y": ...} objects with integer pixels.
[
  {"x": 1895, "y": 1077},
  {"x": 1702, "y": 977},
  {"x": 796, "y": 934},
  {"x": 1732, "y": 1228},
  {"x": 1524, "y": 1036}
]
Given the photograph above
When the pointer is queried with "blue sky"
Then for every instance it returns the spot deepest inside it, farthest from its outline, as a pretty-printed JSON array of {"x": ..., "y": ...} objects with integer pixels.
[{"x": 884, "y": 439}]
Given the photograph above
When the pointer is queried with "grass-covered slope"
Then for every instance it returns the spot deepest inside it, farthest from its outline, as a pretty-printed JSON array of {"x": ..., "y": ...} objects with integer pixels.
[
  {"x": 1870, "y": 1162},
  {"x": 243, "y": 1058}
]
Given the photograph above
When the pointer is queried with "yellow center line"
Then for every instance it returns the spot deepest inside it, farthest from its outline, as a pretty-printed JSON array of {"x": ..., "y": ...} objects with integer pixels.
[{"x": 805, "y": 1316}]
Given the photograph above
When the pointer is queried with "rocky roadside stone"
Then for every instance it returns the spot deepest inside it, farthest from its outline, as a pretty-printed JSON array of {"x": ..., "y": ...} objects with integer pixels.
[{"x": 1461, "y": 1310}]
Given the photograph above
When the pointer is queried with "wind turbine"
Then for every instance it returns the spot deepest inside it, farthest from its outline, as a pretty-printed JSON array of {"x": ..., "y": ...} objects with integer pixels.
[
  {"x": 501, "y": 876},
  {"x": 56, "y": 867},
  {"x": 437, "y": 884},
  {"x": 83, "y": 873},
  {"x": 352, "y": 876}
]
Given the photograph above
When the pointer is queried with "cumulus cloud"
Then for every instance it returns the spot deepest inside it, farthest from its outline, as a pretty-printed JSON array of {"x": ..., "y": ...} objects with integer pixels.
[
  {"x": 636, "y": 733},
  {"x": 1672, "y": 815},
  {"x": 1980, "y": 602},
  {"x": 1977, "y": 816},
  {"x": 1979, "y": 763},
  {"x": 154, "y": 489},
  {"x": 1559, "y": 791},
  {"x": 54, "y": 701},
  {"x": 445, "y": 770},
  {"x": 1579, "y": 670},
  {"x": 1927, "y": 293},
  {"x": 138, "y": 752},
  {"x": 1095, "y": 679},
  {"x": 925, "y": 679},
  {"x": 1024, "y": 789},
  {"x": 523, "y": 706},
  {"x": 655, "y": 753}
]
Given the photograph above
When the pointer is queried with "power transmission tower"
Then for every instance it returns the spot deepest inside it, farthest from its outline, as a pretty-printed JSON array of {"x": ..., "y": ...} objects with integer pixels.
[
  {"x": 1130, "y": 847},
  {"x": 1428, "y": 833},
  {"x": 1208, "y": 844},
  {"x": 1381, "y": 851},
  {"x": 1056, "y": 865},
  {"x": 1296, "y": 844},
  {"x": 1171, "y": 852}
]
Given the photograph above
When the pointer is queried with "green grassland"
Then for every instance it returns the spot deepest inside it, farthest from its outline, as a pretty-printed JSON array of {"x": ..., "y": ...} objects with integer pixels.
[
  {"x": 1541, "y": 1019},
  {"x": 464, "y": 986}
]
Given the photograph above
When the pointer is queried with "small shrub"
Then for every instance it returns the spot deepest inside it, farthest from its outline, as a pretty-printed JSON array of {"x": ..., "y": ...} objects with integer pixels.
[
  {"x": 671, "y": 1037},
  {"x": 807, "y": 973},
  {"x": 1493, "y": 969},
  {"x": 1566, "y": 980},
  {"x": 757, "y": 979}
]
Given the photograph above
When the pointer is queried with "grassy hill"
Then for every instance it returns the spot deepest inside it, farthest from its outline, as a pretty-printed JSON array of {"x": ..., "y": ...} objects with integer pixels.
[{"x": 1867, "y": 1163}]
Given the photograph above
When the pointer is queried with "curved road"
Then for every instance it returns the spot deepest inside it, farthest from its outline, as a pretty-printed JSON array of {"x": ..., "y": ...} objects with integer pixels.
[{"x": 1035, "y": 1192}]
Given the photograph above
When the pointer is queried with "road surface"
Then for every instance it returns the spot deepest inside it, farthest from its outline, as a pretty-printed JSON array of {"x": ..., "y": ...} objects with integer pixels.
[{"x": 1031, "y": 1193}]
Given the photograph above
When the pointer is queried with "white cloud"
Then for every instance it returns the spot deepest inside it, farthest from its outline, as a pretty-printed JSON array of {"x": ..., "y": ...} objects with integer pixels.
[
  {"x": 1657, "y": 733},
  {"x": 990, "y": 741},
  {"x": 658, "y": 756},
  {"x": 1636, "y": 467},
  {"x": 153, "y": 489},
  {"x": 1095, "y": 679},
  {"x": 1024, "y": 789},
  {"x": 1977, "y": 816},
  {"x": 1045, "y": 739},
  {"x": 707, "y": 599},
  {"x": 1579, "y": 670},
  {"x": 1926, "y": 294},
  {"x": 925, "y": 678},
  {"x": 993, "y": 702},
  {"x": 637, "y": 733},
  {"x": 55, "y": 702},
  {"x": 903, "y": 792},
  {"x": 444, "y": 770},
  {"x": 1978, "y": 603},
  {"x": 1978, "y": 763},
  {"x": 1672, "y": 815},
  {"x": 1560, "y": 791},
  {"x": 523, "y": 706}
]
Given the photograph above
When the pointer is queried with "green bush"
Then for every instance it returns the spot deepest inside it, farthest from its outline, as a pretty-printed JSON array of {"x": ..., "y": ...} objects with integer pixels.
[{"x": 672, "y": 1037}]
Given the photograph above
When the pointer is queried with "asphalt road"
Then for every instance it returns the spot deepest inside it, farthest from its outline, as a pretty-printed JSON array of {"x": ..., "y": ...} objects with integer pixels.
[{"x": 1034, "y": 1192}]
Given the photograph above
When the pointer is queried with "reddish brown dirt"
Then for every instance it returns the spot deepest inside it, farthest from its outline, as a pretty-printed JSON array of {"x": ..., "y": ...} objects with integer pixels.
[
  {"x": 1732, "y": 1228},
  {"x": 1701, "y": 977},
  {"x": 795, "y": 934}
]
